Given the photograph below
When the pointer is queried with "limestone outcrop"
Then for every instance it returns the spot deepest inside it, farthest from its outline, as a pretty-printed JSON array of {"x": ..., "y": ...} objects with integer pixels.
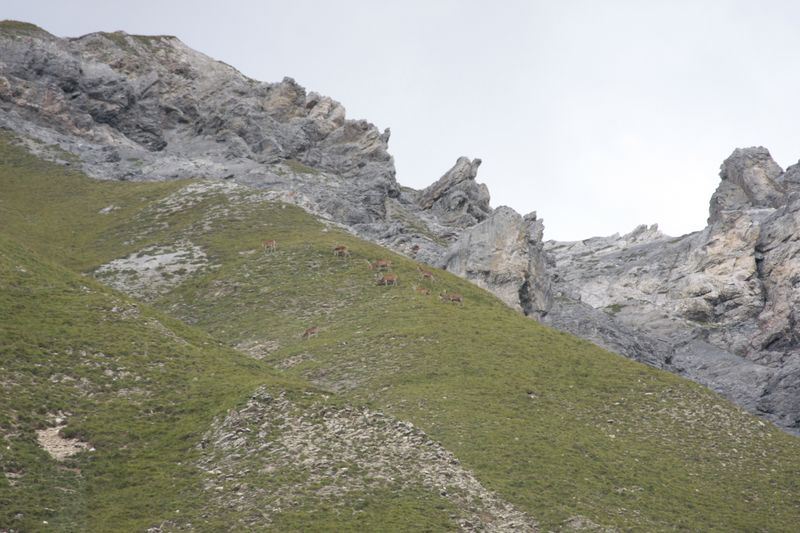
[{"x": 717, "y": 305}]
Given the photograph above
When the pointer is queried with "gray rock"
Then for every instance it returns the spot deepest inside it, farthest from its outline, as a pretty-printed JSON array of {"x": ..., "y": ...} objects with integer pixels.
[
  {"x": 503, "y": 253},
  {"x": 717, "y": 306},
  {"x": 456, "y": 199},
  {"x": 748, "y": 181}
]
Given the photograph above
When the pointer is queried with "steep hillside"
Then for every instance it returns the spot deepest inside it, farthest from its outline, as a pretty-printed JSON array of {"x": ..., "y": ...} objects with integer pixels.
[
  {"x": 420, "y": 414},
  {"x": 89, "y": 371}
]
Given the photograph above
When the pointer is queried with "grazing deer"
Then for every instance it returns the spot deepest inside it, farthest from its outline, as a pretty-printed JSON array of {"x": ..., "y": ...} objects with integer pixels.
[
  {"x": 341, "y": 251},
  {"x": 426, "y": 274},
  {"x": 270, "y": 245},
  {"x": 387, "y": 279},
  {"x": 310, "y": 332},
  {"x": 380, "y": 264},
  {"x": 423, "y": 290},
  {"x": 452, "y": 297}
]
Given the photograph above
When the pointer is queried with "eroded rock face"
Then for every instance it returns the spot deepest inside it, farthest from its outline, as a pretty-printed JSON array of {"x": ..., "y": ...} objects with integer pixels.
[
  {"x": 748, "y": 181},
  {"x": 456, "y": 198},
  {"x": 503, "y": 253},
  {"x": 150, "y": 108},
  {"x": 717, "y": 306}
]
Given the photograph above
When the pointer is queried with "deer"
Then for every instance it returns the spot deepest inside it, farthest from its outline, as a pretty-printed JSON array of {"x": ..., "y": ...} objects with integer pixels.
[
  {"x": 270, "y": 245},
  {"x": 387, "y": 279},
  {"x": 310, "y": 332},
  {"x": 415, "y": 249},
  {"x": 422, "y": 290},
  {"x": 426, "y": 274},
  {"x": 341, "y": 251},
  {"x": 453, "y": 297},
  {"x": 379, "y": 264}
]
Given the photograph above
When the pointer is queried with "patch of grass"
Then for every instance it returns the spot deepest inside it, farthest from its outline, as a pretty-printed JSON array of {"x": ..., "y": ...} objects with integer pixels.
[
  {"x": 16, "y": 27},
  {"x": 120, "y": 39}
]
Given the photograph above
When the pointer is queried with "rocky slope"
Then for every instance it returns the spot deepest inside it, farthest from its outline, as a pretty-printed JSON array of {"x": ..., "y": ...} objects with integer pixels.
[
  {"x": 150, "y": 108},
  {"x": 716, "y": 306}
]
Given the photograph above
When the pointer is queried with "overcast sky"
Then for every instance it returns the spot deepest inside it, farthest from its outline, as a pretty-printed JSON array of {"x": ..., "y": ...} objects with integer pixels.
[{"x": 599, "y": 115}]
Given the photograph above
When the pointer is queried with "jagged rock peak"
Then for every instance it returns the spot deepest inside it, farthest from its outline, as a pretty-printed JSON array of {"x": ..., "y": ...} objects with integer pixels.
[
  {"x": 749, "y": 179},
  {"x": 643, "y": 233},
  {"x": 457, "y": 197}
]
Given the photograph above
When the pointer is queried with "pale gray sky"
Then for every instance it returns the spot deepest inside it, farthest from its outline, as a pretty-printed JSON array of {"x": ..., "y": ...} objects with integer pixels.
[{"x": 600, "y": 115}]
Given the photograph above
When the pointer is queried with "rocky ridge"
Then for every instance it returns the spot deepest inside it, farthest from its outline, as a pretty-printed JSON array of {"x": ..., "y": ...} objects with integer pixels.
[{"x": 717, "y": 306}]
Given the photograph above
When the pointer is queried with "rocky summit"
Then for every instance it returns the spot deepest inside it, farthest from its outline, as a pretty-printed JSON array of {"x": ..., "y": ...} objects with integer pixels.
[{"x": 717, "y": 306}]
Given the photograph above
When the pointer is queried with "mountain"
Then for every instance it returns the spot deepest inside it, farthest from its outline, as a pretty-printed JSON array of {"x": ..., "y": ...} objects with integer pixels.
[
  {"x": 144, "y": 108},
  {"x": 163, "y": 370}
]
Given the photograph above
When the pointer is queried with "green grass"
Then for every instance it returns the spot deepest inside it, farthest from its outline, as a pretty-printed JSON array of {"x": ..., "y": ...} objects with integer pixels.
[
  {"x": 16, "y": 27},
  {"x": 552, "y": 423},
  {"x": 139, "y": 396}
]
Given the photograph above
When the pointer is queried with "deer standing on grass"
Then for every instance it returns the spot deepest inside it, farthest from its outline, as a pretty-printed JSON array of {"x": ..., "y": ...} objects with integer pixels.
[
  {"x": 311, "y": 332},
  {"x": 426, "y": 274},
  {"x": 341, "y": 251},
  {"x": 379, "y": 264},
  {"x": 387, "y": 279},
  {"x": 270, "y": 245},
  {"x": 422, "y": 290},
  {"x": 453, "y": 297}
]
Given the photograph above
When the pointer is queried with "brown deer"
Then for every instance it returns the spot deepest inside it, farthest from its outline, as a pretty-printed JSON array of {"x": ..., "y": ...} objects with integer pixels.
[
  {"x": 270, "y": 245},
  {"x": 387, "y": 279},
  {"x": 310, "y": 332},
  {"x": 341, "y": 251},
  {"x": 379, "y": 264},
  {"x": 453, "y": 297},
  {"x": 423, "y": 290},
  {"x": 415, "y": 249},
  {"x": 425, "y": 274}
]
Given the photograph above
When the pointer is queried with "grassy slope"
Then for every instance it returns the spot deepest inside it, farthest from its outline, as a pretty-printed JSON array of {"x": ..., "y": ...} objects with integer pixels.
[
  {"x": 139, "y": 386},
  {"x": 554, "y": 424}
]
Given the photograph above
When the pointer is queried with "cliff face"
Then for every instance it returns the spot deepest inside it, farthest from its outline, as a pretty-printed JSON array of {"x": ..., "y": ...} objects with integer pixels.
[{"x": 718, "y": 305}]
